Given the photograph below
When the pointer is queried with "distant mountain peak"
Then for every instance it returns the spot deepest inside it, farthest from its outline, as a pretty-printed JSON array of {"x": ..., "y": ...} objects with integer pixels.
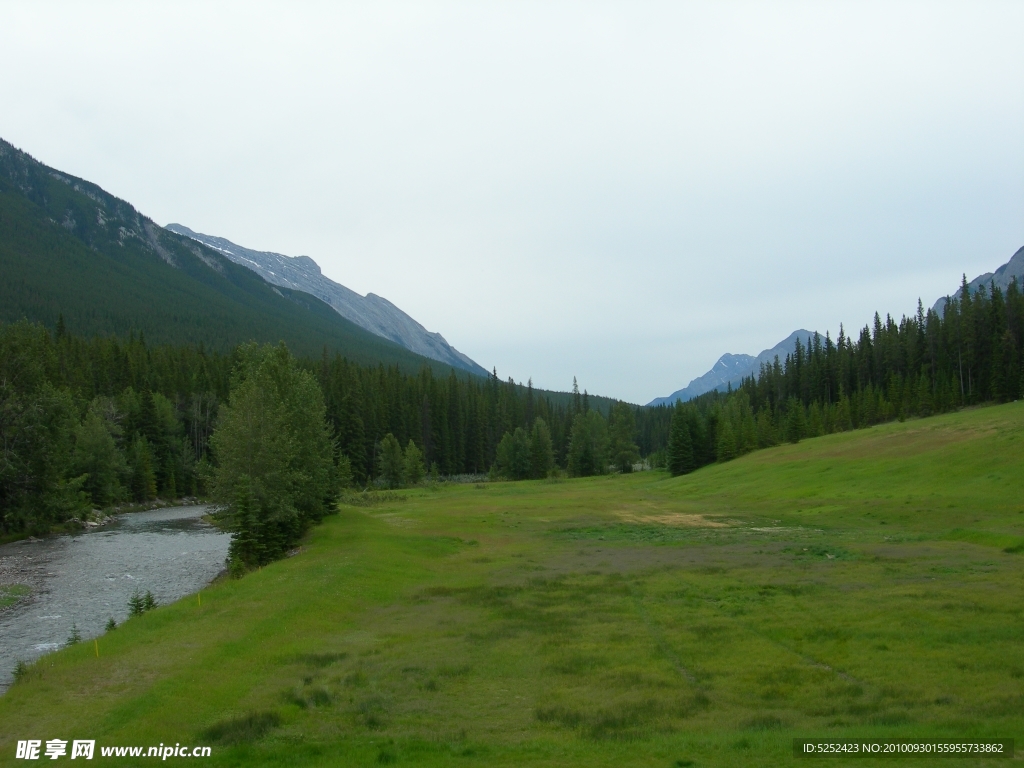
[
  {"x": 91, "y": 261},
  {"x": 731, "y": 369},
  {"x": 1001, "y": 278},
  {"x": 371, "y": 312}
]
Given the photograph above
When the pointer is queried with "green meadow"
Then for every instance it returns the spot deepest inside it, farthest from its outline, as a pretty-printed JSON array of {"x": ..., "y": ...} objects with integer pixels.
[{"x": 861, "y": 585}]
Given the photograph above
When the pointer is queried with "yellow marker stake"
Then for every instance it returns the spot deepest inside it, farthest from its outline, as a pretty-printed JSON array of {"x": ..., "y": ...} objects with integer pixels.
[
  {"x": 200, "y": 596},
  {"x": 96, "y": 643}
]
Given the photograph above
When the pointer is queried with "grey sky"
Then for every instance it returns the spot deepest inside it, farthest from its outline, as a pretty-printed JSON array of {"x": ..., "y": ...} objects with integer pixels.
[{"x": 620, "y": 191}]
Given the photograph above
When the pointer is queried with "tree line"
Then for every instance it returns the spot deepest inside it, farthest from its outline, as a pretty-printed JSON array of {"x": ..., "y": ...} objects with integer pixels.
[
  {"x": 91, "y": 423},
  {"x": 925, "y": 364}
]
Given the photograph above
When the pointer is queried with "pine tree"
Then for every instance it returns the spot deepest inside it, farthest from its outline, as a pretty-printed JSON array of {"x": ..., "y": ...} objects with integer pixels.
[
  {"x": 541, "y": 453},
  {"x": 390, "y": 462},
  {"x": 414, "y": 469},
  {"x": 136, "y": 604},
  {"x": 624, "y": 451},
  {"x": 924, "y": 395},
  {"x": 726, "y": 441},
  {"x": 140, "y": 463},
  {"x": 344, "y": 471},
  {"x": 247, "y": 548},
  {"x": 680, "y": 446},
  {"x": 766, "y": 436},
  {"x": 796, "y": 425},
  {"x": 588, "y": 445}
]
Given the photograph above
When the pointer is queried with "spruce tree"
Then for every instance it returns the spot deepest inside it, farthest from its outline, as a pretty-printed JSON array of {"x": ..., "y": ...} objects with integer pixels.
[
  {"x": 246, "y": 548},
  {"x": 541, "y": 452},
  {"x": 726, "y": 441},
  {"x": 390, "y": 462},
  {"x": 766, "y": 436},
  {"x": 680, "y": 445},
  {"x": 796, "y": 425},
  {"x": 414, "y": 469},
  {"x": 136, "y": 604},
  {"x": 622, "y": 430},
  {"x": 588, "y": 445}
]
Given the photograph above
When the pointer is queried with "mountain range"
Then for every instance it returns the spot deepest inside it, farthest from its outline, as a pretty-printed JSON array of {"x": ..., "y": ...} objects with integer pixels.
[
  {"x": 71, "y": 250},
  {"x": 1001, "y": 278},
  {"x": 371, "y": 312},
  {"x": 732, "y": 369}
]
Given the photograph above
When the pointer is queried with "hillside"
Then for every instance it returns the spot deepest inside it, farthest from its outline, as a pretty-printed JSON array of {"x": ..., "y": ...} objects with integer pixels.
[
  {"x": 69, "y": 248},
  {"x": 862, "y": 585},
  {"x": 371, "y": 312}
]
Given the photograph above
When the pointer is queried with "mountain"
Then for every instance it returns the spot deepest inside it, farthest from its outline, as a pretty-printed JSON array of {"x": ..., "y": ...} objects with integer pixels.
[
  {"x": 371, "y": 312},
  {"x": 68, "y": 248},
  {"x": 1001, "y": 278},
  {"x": 732, "y": 369}
]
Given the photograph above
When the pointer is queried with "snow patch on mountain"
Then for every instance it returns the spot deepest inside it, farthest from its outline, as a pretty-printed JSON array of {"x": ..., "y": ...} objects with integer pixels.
[{"x": 374, "y": 313}]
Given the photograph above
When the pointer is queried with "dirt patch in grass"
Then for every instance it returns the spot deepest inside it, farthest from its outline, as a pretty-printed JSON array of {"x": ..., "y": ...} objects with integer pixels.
[{"x": 675, "y": 519}]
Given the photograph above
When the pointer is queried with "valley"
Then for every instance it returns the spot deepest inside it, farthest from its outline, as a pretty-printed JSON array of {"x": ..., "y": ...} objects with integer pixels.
[{"x": 864, "y": 584}]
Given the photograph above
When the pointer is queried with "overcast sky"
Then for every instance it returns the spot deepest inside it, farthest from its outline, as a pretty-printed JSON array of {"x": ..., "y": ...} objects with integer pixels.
[{"x": 620, "y": 192}]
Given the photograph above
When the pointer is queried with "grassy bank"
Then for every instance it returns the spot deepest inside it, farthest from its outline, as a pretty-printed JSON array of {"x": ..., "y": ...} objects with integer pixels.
[{"x": 866, "y": 584}]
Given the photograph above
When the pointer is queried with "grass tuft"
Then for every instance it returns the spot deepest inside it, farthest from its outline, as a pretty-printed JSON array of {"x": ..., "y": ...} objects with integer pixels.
[
  {"x": 764, "y": 723},
  {"x": 321, "y": 660},
  {"x": 242, "y": 730}
]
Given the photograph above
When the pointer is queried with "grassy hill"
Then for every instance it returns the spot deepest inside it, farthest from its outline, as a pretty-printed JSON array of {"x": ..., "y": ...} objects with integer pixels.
[
  {"x": 68, "y": 247},
  {"x": 866, "y": 584}
]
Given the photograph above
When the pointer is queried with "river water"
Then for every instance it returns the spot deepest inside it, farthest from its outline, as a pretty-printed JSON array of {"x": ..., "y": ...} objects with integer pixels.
[{"x": 86, "y": 578}]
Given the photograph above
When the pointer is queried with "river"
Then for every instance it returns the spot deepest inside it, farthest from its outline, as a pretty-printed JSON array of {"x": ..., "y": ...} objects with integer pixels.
[{"x": 84, "y": 579}]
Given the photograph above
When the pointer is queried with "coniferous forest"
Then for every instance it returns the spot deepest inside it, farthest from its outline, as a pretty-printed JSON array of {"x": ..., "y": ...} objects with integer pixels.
[
  {"x": 87, "y": 423},
  {"x": 92, "y": 422},
  {"x": 923, "y": 365}
]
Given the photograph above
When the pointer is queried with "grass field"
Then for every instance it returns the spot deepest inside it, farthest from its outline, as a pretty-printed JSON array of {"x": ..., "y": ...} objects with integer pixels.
[{"x": 865, "y": 585}]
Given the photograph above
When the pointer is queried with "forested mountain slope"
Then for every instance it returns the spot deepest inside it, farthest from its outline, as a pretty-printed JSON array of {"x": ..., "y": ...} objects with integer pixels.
[
  {"x": 69, "y": 248},
  {"x": 371, "y": 312}
]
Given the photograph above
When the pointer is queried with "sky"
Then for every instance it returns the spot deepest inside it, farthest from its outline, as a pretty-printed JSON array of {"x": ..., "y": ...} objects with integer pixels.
[{"x": 620, "y": 192}]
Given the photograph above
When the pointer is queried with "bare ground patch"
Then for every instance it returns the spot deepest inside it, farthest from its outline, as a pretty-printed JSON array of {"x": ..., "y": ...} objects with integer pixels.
[{"x": 674, "y": 519}]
